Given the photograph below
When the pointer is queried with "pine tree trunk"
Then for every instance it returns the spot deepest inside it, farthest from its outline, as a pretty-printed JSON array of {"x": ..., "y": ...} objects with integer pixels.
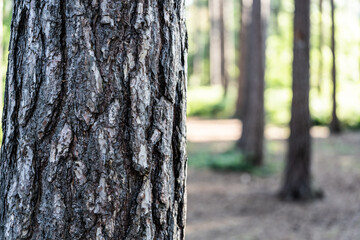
[
  {"x": 335, "y": 124},
  {"x": 251, "y": 142},
  {"x": 224, "y": 75},
  {"x": 94, "y": 121},
  {"x": 321, "y": 42},
  {"x": 297, "y": 177},
  {"x": 215, "y": 42},
  {"x": 246, "y": 7}
]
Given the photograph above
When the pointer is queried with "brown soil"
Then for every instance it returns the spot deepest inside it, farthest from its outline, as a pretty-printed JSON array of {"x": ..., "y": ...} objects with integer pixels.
[{"x": 233, "y": 205}]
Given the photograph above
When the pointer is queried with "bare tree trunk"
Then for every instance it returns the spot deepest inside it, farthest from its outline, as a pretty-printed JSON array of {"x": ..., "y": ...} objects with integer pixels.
[
  {"x": 215, "y": 42},
  {"x": 335, "y": 124},
  {"x": 94, "y": 121},
  {"x": 297, "y": 177},
  {"x": 251, "y": 142},
  {"x": 224, "y": 75},
  {"x": 321, "y": 43},
  {"x": 246, "y": 8}
]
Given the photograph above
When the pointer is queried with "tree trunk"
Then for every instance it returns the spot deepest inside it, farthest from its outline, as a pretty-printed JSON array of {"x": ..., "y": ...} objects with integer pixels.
[
  {"x": 215, "y": 42},
  {"x": 321, "y": 43},
  {"x": 335, "y": 124},
  {"x": 297, "y": 177},
  {"x": 94, "y": 121},
  {"x": 251, "y": 142},
  {"x": 224, "y": 75},
  {"x": 246, "y": 7}
]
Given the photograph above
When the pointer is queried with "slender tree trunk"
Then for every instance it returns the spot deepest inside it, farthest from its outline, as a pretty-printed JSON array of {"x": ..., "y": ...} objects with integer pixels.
[
  {"x": 244, "y": 28},
  {"x": 276, "y": 6},
  {"x": 297, "y": 177},
  {"x": 215, "y": 42},
  {"x": 335, "y": 124},
  {"x": 94, "y": 121},
  {"x": 224, "y": 76},
  {"x": 321, "y": 43},
  {"x": 251, "y": 142}
]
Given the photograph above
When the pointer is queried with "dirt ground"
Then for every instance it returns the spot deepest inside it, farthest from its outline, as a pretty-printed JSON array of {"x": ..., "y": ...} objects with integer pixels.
[{"x": 233, "y": 205}]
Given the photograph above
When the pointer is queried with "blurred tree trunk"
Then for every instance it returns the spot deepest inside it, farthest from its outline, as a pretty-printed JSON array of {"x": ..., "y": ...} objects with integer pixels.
[
  {"x": 276, "y": 6},
  {"x": 224, "y": 75},
  {"x": 297, "y": 177},
  {"x": 246, "y": 8},
  {"x": 252, "y": 74},
  {"x": 215, "y": 42},
  {"x": 321, "y": 43},
  {"x": 335, "y": 124},
  {"x": 218, "y": 74},
  {"x": 94, "y": 121}
]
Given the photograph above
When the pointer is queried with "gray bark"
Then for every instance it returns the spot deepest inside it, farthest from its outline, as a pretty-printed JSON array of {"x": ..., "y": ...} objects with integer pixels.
[
  {"x": 297, "y": 177},
  {"x": 94, "y": 121},
  {"x": 252, "y": 78}
]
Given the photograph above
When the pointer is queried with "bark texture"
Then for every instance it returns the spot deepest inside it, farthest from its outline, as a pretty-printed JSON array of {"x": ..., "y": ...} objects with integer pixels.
[
  {"x": 297, "y": 178},
  {"x": 94, "y": 121},
  {"x": 252, "y": 77},
  {"x": 335, "y": 124}
]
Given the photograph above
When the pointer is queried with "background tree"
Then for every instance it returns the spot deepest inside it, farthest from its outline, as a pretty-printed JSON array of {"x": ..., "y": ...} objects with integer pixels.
[
  {"x": 297, "y": 177},
  {"x": 335, "y": 124},
  {"x": 218, "y": 62},
  {"x": 215, "y": 42},
  {"x": 252, "y": 71},
  {"x": 321, "y": 43},
  {"x": 94, "y": 121},
  {"x": 245, "y": 15},
  {"x": 224, "y": 75}
]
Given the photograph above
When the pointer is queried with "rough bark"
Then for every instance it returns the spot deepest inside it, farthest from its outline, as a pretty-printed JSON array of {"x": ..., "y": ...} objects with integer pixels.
[
  {"x": 251, "y": 142},
  {"x": 94, "y": 121},
  {"x": 335, "y": 124},
  {"x": 297, "y": 178}
]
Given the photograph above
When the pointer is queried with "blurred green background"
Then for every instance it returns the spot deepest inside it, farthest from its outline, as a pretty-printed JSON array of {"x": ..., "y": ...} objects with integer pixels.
[{"x": 207, "y": 101}]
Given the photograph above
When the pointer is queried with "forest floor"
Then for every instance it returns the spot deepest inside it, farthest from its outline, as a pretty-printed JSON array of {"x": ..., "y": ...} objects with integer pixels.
[{"x": 229, "y": 205}]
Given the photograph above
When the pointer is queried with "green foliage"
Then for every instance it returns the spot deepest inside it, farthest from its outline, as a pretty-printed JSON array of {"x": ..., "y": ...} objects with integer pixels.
[
  {"x": 210, "y": 102},
  {"x": 229, "y": 160}
]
